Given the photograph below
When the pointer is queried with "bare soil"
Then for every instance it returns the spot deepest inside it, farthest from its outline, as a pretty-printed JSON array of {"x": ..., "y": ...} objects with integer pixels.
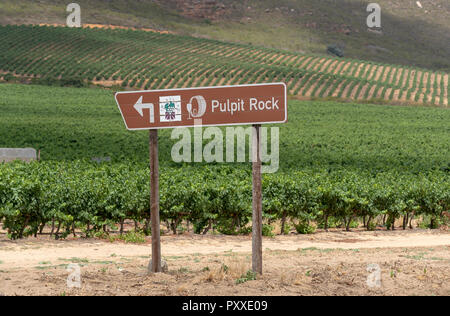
[
  {"x": 306, "y": 62},
  {"x": 353, "y": 93},
  {"x": 385, "y": 74},
  {"x": 372, "y": 72},
  {"x": 338, "y": 89},
  {"x": 371, "y": 92},
  {"x": 446, "y": 90},
  {"x": 112, "y": 27},
  {"x": 357, "y": 74},
  {"x": 335, "y": 263},
  {"x": 328, "y": 91},
  {"x": 379, "y": 72}
]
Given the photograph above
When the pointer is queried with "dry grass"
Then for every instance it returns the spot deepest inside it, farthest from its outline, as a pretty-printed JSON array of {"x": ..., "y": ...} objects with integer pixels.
[{"x": 229, "y": 270}]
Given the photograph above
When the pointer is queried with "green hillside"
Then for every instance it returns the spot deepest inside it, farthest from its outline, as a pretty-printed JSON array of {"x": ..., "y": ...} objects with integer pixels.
[
  {"x": 71, "y": 123},
  {"x": 150, "y": 60},
  {"x": 409, "y": 35}
]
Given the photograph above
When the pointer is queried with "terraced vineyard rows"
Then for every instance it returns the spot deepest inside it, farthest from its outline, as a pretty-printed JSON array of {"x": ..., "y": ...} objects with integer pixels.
[{"x": 148, "y": 60}]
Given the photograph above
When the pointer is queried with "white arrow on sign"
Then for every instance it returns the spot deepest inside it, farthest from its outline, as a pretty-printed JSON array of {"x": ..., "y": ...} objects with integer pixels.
[{"x": 139, "y": 107}]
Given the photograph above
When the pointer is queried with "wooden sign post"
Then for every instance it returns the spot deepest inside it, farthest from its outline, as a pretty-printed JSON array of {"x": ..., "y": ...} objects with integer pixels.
[
  {"x": 154, "y": 201},
  {"x": 257, "y": 202},
  {"x": 213, "y": 106}
]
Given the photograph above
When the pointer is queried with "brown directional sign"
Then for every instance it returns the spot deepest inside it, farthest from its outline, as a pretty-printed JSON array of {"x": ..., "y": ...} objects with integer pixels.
[{"x": 214, "y": 106}]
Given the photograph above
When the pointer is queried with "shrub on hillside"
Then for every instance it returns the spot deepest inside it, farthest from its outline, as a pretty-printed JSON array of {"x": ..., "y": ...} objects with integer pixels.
[{"x": 335, "y": 50}]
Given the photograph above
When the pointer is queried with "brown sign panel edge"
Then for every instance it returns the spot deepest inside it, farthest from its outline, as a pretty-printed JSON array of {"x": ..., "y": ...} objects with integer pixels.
[{"x": 199, "y": 88}]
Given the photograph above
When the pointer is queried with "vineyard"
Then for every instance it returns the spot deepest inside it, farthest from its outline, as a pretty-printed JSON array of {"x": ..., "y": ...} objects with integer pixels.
[
  {"x": 68, "y": 124},
  {"x": 148, "y": 60},
  {"x": 342, "y": 165},
  {"x": 79, "y": 195},
  {"x": 351, "y": 195}
]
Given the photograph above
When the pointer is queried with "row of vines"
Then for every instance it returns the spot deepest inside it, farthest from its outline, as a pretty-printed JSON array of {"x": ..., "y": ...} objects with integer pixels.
[
  {"x": 64, "y": 196},
  {"x": 147, "y": 60}
]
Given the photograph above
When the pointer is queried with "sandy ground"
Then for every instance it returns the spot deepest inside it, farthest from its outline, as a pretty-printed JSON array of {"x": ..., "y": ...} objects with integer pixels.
[{"x": 336, "y": 263}]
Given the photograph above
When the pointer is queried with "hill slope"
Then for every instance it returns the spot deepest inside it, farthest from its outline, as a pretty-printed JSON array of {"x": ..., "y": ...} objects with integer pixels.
[
  {"x": 150, "y": 60},
  {"x": 70, "y": 123},
  {"x": 410, "y": 35}
]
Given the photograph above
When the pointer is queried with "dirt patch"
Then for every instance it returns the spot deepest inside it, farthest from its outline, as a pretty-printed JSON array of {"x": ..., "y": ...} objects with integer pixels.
[
  {"x": 211, "y": 9},
  {"x": 324, "y": 65},
  {"x": 346, "y": 89},
  {"x": 446, "y": 90},
  {"x": 312, "y": 63},
  {"x": 306, "y": 62},
  {"x": 335, "y": 263},
  {"x": 107, "y": 26},
  {"x": 289, "y": 61},
  {"x": 352, "y": 70},
  {"x": 338, "y": 89},
  {"x": 312, "y": 87},
  {"x": 313, "y": 78},
  {"x": 330, "y": 86},
  {"x": 108, "y": 83},
  {"x": 371, "y": 92},
  {"x": 425, "y": 78},
  {"x": 354, "y": 91},
  {"x": 438, "y": 82},
  {"x": 372, "y": 72},
  {"x": 338, "y": 68},
  {"x": 363, "y": 92},
  {"x": 405, "y": 78},
  {"x": 322, "y": 62},
  {"x": 379, "y": 72},
  {"x": 385, "y": 74},
  {"x": 398, "y": 76},
  {"x": 393, "y": 74},
  {"x": 396, "y": 95},
  {"x": 332, "y": 67},
  {"x": 358, "y": 71},
  {"x": 297, "y": 62},
  {"x": 278, "y": 58},
  {"x": 387, "y": 94},
  {"x": 348, "y": 241},
  {"x": 297, "y": 85}
]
